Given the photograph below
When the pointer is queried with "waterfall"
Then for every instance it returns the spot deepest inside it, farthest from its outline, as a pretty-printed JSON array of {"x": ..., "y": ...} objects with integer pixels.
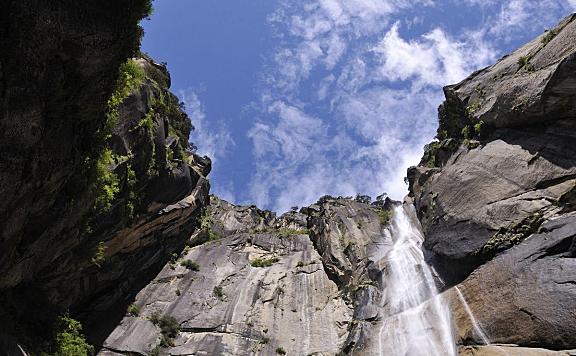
[{"x": 417, "y": 320}]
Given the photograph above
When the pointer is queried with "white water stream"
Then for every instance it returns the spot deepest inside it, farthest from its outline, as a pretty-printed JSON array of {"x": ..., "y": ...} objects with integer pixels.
[{"x": 417, "y": 319}]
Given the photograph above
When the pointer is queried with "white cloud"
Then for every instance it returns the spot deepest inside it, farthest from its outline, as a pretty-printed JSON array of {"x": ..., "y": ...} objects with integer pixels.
[
  {"x": 512, "y": 19},
  {"x": 433, "y": 59},
  {"x": 214, "y": 143},
  {"x": 349, "y": 102}
]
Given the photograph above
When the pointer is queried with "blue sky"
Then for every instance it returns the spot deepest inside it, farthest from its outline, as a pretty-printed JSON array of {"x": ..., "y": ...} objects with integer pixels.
[{"x": 296, "y": 99}]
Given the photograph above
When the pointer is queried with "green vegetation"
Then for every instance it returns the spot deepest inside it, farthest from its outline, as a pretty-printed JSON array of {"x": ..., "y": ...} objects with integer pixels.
[
  {"x": 466, "y": 132},
  {"x": 131, "y": 197},
  {"x": 508, "y": 237},
  {"x": 265, "y": 340},
  {"x": 218, "y": 292},
  {"x": 148, "y": 120},
  {"x": 107, "y": 183},
  {"x": 133, "y": 310},
  {"x": 282, "y": 232},
  {"x": 289, "y": 232},
  {"x": 280, "y": 351},
  {"x": 173, "y": 260},
  {"x": 479, "y": 129},
  {"x": 259, "y": 262},
  {"x": 384, "y": 216},
  {"x": 365, "y": 284},
  {"x": 550, "y": 34},
  {"x": 430, "y": 153},
  {"x": 155, "y": 351},
  {"x": 473, "y": 107},
  {"x": 442, "y": 135},
  {"x": 524, "y": 62},
  {"x": 470, "y": 144},
  {"x": 69, "y": 339},
  {"x": 169, "y": 328},
  {"x": 98, "y": 258},
  {"x": 207, "y": 223},
  {"x": 130, "y": 77},
  {"x": 191, "y": 265}
]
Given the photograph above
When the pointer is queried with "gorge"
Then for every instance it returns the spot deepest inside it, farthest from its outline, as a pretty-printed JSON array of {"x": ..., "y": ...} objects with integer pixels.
[{"x": 107, "y": 217}]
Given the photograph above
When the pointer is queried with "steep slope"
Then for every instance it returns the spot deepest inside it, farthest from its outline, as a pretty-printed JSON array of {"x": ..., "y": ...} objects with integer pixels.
[
  {"x": 496, "y": 194},
  {"x": 98, "y": 181}
]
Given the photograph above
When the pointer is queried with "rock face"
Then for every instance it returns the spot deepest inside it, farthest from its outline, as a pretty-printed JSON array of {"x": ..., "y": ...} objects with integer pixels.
[
  {"x": 496, "y": 196},
  {"x": 99, "y": 185},
  {"x": 302, "y": 283}
]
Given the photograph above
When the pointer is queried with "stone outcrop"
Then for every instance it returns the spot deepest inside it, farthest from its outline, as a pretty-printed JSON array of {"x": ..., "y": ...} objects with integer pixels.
[
  {"x": 496, "y": 197},
  {"x": 305, "y": 283}
]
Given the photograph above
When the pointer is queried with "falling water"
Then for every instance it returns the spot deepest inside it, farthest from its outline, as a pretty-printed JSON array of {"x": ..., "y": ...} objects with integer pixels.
[
  {"x": 475, "y": 325},
  {"x": 417, "y": 319}
]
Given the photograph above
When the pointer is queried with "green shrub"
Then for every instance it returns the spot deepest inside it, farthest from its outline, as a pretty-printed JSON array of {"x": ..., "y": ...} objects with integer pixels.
[
  {"x": 384, "y": 216},
  {"x": 479, "y": 129},
  {"x": 283, "y": 232},
  {"x": 430, "y": 152},
  {"x": 218, "y": 292},
  {"x": 550, "y": 34},
  {"x": 473, "y": 107},
  {"x": 290, "y": 232},
  {"x": 466, "y": 132},
  {"x": 442, "y": 135},
  {"x": 98, "y": 258},
  {"x": 131, "y": 194},
  {"x": 207, "y": 223},
  {"x": 280, "y": 351},
  {"x": 148, "y": 120},
  {"x": 155, "y": 351},
  {"x": 524, "y": 62},
  {"x": 129, "y": 78},
  {"x": 133, "y": 310},
  {"x": 154, "y": 318},
  {"x": 107, "y": 183},
  {"x": 169, "y": 328},
  {"x": 69, "y": 339},
  {"x": 265, "y": 340},
  {"x": 190, "y": 265},
  {"x": 213, "y": 235},
  {"x": 259, "y": 262}
]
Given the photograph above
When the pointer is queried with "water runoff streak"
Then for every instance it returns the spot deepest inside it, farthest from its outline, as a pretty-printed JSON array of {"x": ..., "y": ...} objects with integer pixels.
[{"x": 417, "y": 320}]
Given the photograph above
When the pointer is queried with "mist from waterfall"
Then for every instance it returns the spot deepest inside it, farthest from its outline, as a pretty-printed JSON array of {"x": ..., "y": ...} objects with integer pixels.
[{"x": 417, "y": 319}]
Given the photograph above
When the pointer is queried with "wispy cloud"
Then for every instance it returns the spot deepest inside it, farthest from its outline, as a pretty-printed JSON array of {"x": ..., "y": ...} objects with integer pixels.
[
  {"x": 352, "y": 90},
  {"x": 510, "y": 19},
  {"x": 372, "y": 110},
  {"x": 433, "y": 59},
  {"x": 213, "y": 140}
]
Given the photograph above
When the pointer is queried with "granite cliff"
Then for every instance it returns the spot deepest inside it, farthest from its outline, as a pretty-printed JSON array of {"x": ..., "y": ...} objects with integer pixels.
[
  {"x": 496, "y": 194},
  {"x": 97, "y": 178}
]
